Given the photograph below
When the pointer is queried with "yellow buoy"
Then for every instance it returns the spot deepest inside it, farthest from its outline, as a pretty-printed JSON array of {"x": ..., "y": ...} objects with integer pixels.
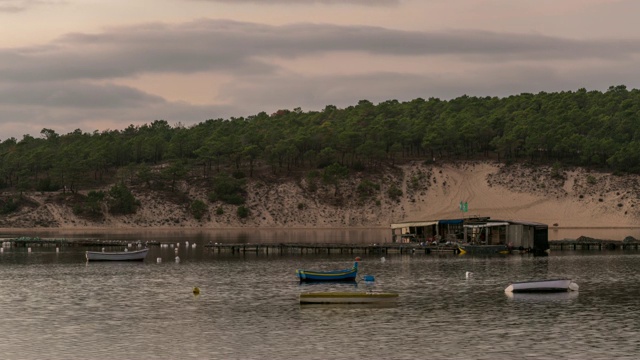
[{"x": 196, "y": 290}]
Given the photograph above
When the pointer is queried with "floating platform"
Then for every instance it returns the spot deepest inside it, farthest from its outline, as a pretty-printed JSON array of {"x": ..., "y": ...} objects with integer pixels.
[{"x": 347, "y": 298}]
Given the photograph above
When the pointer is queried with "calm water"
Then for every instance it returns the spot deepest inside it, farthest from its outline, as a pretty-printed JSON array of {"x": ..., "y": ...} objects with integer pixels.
[{"x": 57, "y": 306}]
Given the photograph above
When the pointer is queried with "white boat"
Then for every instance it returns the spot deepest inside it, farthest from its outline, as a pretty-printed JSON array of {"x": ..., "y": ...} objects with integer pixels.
[
  {"x": 553, "y": 285},
  {"x": 346, "y": 297},
  {"x": 138, "y": 255},
  {"x": 542, "y": 296}
]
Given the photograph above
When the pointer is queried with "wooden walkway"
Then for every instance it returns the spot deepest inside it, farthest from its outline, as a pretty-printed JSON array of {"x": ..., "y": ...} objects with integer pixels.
[
  {"x": 390, "y": 248},
  {"x": 308, "y": 248}
]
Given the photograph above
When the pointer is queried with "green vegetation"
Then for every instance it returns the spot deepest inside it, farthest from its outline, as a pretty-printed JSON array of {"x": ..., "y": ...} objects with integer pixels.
[
  {"x": 585, "y": 128},
  {"x": 228, "y": 190},
  {"x": 198, "y": 209},
  {"x": 243, "y": 212},
  {"x": 121, "y": 200},
  {"x": 9, "y": 206}
]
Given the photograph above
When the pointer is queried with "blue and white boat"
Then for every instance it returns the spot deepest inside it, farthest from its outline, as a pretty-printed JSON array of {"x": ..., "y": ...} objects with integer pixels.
[{"x": 333, "y": 275}]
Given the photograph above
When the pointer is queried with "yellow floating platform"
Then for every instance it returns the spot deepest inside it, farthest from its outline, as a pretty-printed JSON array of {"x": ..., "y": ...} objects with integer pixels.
[{"x": 346, "y": 297}]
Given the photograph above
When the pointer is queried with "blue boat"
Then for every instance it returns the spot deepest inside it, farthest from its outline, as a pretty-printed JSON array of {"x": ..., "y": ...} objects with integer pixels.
[{"x": 334, "y": 275}]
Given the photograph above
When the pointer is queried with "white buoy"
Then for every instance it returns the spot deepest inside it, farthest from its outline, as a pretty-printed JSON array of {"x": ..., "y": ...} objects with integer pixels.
[
  {"x": 2, "y": 250},
  {"x": 125, "y": 249},
  {"x": 57, "y": 249},
  {"x": 193, "y": 246},
  {"x": 29, "y": 250},
  {"x": 383, "y": 259},
  {"x": 102, "y": 249},
  {"x": 177, "y": 259},
  {"x": 468, "y": 274},
  {"x": 186, "y": 244},
  {"x": 129, "y": 244},
  {"x": 177, "y": 244},
  {"x": 159, "y": 260}
]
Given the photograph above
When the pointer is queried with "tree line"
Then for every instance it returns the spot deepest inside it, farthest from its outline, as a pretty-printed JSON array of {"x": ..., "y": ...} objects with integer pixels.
[{"x": 585, "y": 128}]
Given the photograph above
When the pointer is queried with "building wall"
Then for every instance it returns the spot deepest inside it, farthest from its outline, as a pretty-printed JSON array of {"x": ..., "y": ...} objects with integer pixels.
[{"x": 520, "y": 235}]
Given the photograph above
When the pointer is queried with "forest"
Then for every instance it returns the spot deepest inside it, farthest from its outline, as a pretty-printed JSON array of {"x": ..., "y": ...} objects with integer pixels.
[{"x": 591, "y": 129}]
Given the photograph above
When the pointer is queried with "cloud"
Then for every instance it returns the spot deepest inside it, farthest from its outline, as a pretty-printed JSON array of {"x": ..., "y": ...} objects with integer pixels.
[
  {"x": 77, "y": 80},
  {"x": 16, "y": 6},
  {"x": 309, "y": 2},
  {"x": 241, "y": 48}
]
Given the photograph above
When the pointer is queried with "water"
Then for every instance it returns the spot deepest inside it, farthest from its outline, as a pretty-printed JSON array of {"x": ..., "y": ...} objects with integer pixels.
[{"x": 57, "y": 306}]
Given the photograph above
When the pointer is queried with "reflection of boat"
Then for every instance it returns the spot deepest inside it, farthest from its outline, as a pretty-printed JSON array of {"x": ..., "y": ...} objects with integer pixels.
[
  {"x": 117, "y": 255},
  {"x": 542, "y": 286},
  {"x": 334, "y": 275},
  {"x": 483, "y": 249},
  {"x": 543, "y": 296},
  {"x": 347, "y": 297}
]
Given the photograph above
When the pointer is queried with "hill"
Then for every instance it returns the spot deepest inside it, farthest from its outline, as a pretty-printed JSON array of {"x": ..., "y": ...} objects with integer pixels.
[{"x": 414, "y": 191}]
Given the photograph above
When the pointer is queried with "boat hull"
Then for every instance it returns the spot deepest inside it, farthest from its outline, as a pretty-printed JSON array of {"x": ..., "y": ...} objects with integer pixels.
[
  {"x": 138, "y": 255},
  {"x": 335, "y": 275},
  {"x": 484, "y": 249},
  {"x": 347, "y": 298},
  {"x": 542, "y": 286}
]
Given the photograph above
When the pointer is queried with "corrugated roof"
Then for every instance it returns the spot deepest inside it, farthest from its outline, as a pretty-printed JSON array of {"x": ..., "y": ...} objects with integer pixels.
[{"x": 413, "y": 224}]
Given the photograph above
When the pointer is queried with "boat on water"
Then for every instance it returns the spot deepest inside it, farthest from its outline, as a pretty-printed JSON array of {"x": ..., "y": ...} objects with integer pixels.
[
  {"x": 137, "y": 255},
  {"x": 542, "y": 286},
  {"x": 333, "y": 275},
  {"x": 542, "y": 296},
  {"x": 483, "y": 249},
  {"x": 347, "y": 297}
]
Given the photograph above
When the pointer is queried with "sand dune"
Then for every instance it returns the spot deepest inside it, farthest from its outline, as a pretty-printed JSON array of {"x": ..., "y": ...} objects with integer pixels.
[{"x": 569, "y": 198}]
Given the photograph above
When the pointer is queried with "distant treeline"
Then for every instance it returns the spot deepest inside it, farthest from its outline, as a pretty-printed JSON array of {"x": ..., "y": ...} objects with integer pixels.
[{"x": 586, "y": 128}]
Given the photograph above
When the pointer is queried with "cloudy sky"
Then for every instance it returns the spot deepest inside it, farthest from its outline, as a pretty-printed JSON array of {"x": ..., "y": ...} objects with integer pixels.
[{"x": 106, "y": 64}]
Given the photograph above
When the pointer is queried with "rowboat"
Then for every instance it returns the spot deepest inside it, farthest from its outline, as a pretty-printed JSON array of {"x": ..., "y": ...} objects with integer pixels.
[
  {"x": 334, "y": 275},
  {"x": 347, "y": 297},
  {"x": 553, "y": 285},
  {"x": 542, "y": 296},
  {"x": 137, "y": 255}
]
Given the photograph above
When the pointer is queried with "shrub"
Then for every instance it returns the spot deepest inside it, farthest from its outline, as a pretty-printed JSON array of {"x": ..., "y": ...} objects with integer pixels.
[
  {"x": 394, "y": 193},
  {"x": 198, "y": 209},
  {"x": 243, "y": 212},
  {"x": 591, "y": 180},
  {"x": 228, "y": 190},
  {"x": 367, "y": 188},
  {"x": 219, "y": 210},
  {"x": 121, "y": 200},
  {"x": 9, "y": 206}
]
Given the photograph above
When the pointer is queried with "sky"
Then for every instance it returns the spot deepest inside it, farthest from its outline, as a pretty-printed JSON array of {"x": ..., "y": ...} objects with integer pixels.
[{"x": 99, "y": 65}]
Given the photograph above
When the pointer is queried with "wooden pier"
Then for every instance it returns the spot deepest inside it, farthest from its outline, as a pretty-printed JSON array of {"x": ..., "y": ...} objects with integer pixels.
[
  {"x": 390, "y": 248},
  {"x": 313, "y": 248},
  {"x": 593, "y": 244}
]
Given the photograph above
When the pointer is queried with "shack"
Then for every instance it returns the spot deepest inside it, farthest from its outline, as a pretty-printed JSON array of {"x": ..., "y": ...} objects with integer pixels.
[{"x": 523, "y": 235}]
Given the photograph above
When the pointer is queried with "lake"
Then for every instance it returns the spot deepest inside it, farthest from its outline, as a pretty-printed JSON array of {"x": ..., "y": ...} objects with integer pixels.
[{"x": 57, "y": 306}]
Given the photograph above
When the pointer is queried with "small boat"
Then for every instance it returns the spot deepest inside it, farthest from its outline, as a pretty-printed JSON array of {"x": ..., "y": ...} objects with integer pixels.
[
  {"x": 138, "y": 255},
  {"x": 334, "y": 275},
  {"x": 544, "y": 286},
  {"x": 483, "y": 249},
  {"x": 542, "y": 296},
  {"x": 347, "y": 297}
]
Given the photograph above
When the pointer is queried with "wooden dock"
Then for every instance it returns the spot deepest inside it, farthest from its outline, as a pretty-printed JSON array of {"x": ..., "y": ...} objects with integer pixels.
[
  {"x": 593, "y": 244},
  {"x": 312, "y": 248},
  {"x": 390, "y": 248}
]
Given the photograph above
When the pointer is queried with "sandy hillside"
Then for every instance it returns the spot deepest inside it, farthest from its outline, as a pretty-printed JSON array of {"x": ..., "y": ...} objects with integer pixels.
[{"x": 570, "y": 198}]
